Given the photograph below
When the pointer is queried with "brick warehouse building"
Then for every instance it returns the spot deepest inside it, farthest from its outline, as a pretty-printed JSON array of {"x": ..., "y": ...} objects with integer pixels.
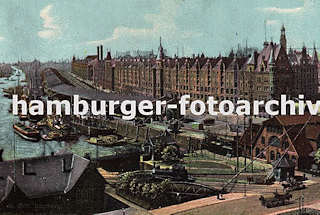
[
  {"x": 282, "y": 132},
  {"x": 264, "y": 75}
]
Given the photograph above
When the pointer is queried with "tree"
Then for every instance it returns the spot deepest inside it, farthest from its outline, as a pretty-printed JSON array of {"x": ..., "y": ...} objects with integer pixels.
[
  {"x": 170, "y": 154},
  {"x": 317, "y": 157}
]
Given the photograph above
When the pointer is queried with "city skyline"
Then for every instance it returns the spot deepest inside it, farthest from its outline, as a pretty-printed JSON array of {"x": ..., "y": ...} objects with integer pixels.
[{"x": 51, "y": 30}]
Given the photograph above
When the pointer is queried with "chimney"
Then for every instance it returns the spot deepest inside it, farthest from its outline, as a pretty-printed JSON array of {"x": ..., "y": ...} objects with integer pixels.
[
  {"x": 98, "y": 52},
  {"x": 101, "y": 51},
  {"x": 1, "y": 152}
]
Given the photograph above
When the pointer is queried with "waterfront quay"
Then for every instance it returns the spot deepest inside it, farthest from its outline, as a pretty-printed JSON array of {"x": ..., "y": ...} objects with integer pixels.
[{"x": 172, "y": 159}]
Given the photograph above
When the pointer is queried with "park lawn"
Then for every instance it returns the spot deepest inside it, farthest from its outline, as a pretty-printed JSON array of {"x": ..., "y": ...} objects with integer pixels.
[
  {"x": 206, "y": 164},
  {"x": 210, "y": 179},
  {"x": 211, "y": 171},
  {"x": 209, "y": 156},
  {"x": 257, "y": 165}
]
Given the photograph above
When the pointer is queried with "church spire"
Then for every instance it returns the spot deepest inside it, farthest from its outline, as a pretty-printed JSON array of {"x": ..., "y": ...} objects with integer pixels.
[
  {"x": 315, "y": 59},
  {"x": 283, "y": 39},
  {"x": 160, "y": 51}
]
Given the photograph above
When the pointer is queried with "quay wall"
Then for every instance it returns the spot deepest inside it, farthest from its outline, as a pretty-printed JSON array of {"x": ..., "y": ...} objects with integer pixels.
[{"x": 142, "y": 133}]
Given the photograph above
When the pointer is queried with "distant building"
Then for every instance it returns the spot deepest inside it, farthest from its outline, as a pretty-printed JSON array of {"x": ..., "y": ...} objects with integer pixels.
[
  {"x": 262, "y": 75},
  {"x": 283, "y": 169},
  {"x": 62, "y": 183},
  {"x": 280, "y": 133},
  {"x": 305, "y": 70}
]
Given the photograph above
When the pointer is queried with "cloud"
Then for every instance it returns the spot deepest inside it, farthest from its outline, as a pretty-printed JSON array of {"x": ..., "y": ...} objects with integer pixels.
[
  {"x": 121, "y": 31},
  {"x": 272, "y": 22},
  {"x": 51, "y": 29},
  {"x": 282, "y": 10},
  {"x": 2, "y": 38},
  {"x": 162, "y": 24}
]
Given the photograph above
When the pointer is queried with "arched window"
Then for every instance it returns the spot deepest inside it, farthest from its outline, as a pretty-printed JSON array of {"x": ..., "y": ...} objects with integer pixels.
[
  {"x": 274, "y": 141},
  {"x": 278, "y": 155},
  {"x": 272, "y": 155}
]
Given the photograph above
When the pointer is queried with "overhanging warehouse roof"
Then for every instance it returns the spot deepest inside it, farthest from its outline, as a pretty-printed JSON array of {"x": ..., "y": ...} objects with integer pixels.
[{"x": 91, "y": 94}]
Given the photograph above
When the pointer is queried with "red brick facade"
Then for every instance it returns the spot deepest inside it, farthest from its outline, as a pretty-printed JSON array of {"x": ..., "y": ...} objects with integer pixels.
[{"x": 264, "y": 75}]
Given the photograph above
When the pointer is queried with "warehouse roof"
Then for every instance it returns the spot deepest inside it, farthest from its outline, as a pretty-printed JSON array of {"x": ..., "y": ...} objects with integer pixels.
[{"x": 91, "y": 94}]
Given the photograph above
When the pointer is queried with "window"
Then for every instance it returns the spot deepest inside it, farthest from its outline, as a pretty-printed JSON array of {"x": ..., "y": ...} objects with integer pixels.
[
  {"x": 263, "y": 140},
  {"x": 274, "y": 141},
  {"x": 272, "y": 155},
  {"x": 27, "y": 169}
]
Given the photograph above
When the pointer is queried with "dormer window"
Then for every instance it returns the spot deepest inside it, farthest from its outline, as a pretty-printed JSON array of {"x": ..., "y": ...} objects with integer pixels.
[
  {"x": 27, "y": 169},
  {"x": 65, "y": 167}
]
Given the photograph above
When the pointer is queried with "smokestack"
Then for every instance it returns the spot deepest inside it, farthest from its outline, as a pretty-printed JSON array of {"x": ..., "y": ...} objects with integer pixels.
[
  {"x": 101, "y": 50},
  {"x": 98, "y": 52},
  {"x": 1, "y": 152}
]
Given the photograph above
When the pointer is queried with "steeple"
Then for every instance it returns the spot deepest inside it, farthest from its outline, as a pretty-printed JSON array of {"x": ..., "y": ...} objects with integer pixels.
[
  {"x": 160, "y": 52},
  {"x": 315, "y": 59},
  {"x": 304, "y": 50},
  {"x": 231, "y": 54},
  {"x": 283, "y": 40}
]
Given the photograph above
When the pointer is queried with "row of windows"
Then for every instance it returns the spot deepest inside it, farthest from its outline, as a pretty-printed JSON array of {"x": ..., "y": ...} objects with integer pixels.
[
  {"x": 274, "y": 129},
  {"x": 272, "y": 155}
]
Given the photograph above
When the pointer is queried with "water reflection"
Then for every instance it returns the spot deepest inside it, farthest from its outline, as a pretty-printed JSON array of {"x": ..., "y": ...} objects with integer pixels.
[{"x": 32, "y": 149}]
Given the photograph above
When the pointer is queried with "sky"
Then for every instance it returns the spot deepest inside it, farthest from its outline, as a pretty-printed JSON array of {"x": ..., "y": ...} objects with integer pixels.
[{"x": 59, "y": 29}]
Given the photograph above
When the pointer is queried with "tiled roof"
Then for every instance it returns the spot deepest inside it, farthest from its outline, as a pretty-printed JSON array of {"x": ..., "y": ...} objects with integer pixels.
[
  {"x": 287, "y": 120},
  {"x": 245, "y": 138},
  {"x": 42, "y": 176},
  {"x": 296, "y": 58},
  {"x": 91, "y": 57},
  {"x": 269, "y": 52},
  {"x": 313, "y": 132},
  {"x": 283, "y": 163},
  {"x": 92, "y": 94},
  {"x": 300, "y": 142}
]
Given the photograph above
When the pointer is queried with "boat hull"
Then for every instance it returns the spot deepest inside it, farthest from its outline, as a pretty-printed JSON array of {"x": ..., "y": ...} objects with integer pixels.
[
  {"x": 32, "y": 134},
  {"x": 34, "y": 139}
]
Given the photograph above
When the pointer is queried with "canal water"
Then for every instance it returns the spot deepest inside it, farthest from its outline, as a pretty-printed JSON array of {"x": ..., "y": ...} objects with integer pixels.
[{"x": 16, "y": 147}]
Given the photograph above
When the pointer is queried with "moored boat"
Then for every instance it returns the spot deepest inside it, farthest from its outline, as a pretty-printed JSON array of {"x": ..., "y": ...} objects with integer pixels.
[
  {"x": 23, "y": 117},
  {"x": 107, "y": 141},
  {"x": 46, "y": 137},
  {"x": 26, "y": 132}
]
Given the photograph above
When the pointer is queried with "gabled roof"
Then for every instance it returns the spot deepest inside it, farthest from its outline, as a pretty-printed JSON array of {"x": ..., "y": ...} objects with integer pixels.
[
  {"x": 91, "y": 57},
  {"x": 42, "y": 176},
  {"x": 256, "y": 132},
  {"x": 313, "y": 132},
  {"x": 300, "y": 143},
  {"x": 227, "y": 61},
  {"x": 288, "y": 120},
  {"x": 301, "y": 57},
  {"x": 269, "y": 54},
  {"x": 283, "y": 163}
]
